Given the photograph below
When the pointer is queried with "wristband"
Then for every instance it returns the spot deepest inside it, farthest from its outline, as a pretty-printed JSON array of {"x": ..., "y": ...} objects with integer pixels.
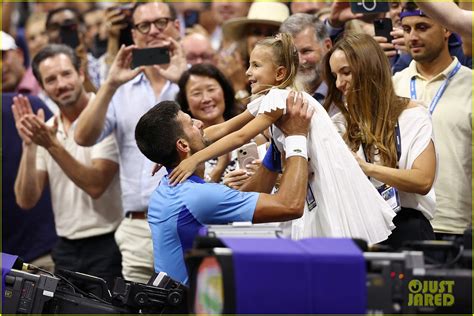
[
  {"x": 296, "y": 146},
  {"x": 272, "y": 160}
]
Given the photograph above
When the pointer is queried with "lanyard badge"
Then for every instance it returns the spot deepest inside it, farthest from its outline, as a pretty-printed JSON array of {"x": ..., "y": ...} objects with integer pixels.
[{"x": 391, "y": 196}]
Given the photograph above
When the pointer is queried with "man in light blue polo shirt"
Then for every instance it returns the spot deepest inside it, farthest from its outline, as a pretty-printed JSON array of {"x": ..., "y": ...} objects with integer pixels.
[{"x": 167, "y": 135}]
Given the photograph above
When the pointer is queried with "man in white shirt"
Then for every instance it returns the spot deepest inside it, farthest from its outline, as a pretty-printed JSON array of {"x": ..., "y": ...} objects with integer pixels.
[
  {"x": 445, "y": 87},
  {"x": 84, "y": 184}
]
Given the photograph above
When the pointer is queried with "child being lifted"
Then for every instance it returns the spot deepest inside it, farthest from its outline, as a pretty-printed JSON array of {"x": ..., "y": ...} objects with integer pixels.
[{"x": 345, "y": 203}]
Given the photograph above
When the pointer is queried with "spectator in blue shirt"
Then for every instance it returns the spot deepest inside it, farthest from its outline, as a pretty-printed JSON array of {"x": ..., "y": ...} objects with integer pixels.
[{"x": 166, "y": 135}]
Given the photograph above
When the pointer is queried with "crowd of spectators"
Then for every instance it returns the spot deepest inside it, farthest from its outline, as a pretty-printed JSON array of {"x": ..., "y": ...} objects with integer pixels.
[{"x": 76, "y": 182}]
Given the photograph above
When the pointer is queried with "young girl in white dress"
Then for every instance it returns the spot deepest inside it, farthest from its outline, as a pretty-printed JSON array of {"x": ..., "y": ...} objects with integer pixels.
[{"x": 341, "y": 201}]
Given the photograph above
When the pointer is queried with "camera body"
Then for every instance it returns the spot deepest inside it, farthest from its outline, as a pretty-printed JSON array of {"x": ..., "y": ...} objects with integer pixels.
[{"x": 369, "y": 6}]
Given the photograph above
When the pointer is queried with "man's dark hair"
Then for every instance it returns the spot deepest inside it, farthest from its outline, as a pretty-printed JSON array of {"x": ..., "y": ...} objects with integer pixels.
[
  {"x": 76, "y": 13},
  {"x": 157, "y": 132},
  {"x": 50, "y": 51},
  {"x": 210, "y": 71},
  {"x": 173, "y": 13}
]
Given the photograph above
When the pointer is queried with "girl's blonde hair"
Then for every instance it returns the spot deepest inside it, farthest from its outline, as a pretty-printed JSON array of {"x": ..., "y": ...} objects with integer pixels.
[
  {"x": 284, "y": 54},
  {"x": 372, "y": 108}
]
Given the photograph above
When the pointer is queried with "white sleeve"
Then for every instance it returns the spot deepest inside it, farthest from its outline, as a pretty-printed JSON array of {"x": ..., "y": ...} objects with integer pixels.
[
  {"x": 253, "y": 106},
  {"x": 273, "y": 100},
  {"x": 416, "y": 132},
  {"x": 106, "y": 149}
]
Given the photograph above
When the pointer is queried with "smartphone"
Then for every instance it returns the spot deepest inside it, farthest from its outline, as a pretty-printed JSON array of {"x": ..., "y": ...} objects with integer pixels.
[
  {"x": 150, "y": 56},
  {"x": 246, "y": 154},
  {"x": 125, "y": 36},
  {"x": 369, "y": 6},
  {"x": 383, "y": 27},
  {"x": 69, "y": 35}
]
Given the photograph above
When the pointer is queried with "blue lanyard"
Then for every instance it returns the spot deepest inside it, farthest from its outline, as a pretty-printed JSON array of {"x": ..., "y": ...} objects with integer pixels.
[{"x": 441, "y": 89}]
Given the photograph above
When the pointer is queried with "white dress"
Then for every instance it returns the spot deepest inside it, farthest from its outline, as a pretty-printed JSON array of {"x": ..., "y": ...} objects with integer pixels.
[{"x": 348, "y": 205}]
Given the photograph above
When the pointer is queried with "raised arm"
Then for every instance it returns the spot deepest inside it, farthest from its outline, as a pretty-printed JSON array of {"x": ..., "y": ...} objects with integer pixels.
[
  {"x": 29, "y": 182},
  {"x": 94, "y": 179},
  {"x": 92, "y": 119},
  {"x": 449, "y": 15},
  {"x": 217, "y": 131},
  {"x": 288, "y": 202},
  {"x": 224, "y": 145}
]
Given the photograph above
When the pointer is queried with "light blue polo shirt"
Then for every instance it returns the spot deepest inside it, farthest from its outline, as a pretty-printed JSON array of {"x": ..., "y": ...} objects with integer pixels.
[{"x": 176, "y": 214}]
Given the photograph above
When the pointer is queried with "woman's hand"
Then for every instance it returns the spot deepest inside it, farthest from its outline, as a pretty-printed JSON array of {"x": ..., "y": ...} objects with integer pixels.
[
  {"x": 364, "y": 165},
  {"x": 183, "y": 171},
  {"x": 235, "y": 179}
]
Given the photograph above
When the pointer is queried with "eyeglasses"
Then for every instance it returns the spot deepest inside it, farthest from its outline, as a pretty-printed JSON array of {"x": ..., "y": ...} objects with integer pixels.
[
  {"x": 195, "y": 57},
  {"x": 145, "y": 27}
]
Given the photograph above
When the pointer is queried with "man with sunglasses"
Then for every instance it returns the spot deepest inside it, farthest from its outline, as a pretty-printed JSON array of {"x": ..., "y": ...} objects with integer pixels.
[{"x": 123, "y": 98}]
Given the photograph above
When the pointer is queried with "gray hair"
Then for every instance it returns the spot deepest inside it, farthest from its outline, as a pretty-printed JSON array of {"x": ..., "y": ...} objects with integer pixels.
[{"x": 301, "y": 21}]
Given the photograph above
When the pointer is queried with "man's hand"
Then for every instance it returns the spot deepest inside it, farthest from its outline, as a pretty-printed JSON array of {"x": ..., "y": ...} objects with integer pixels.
[
  {"x": 40, "y": 134},
  {"x": 177, "y": 64},
  {"x": 388, "y": 48},
  {"x": 115, "y": 21},
  {"x": 298, "y": 115},
  {"x": 21, "y": 107},
  {"x": 341, "y": 13},
  {"x": 120, "y": 71},
  {"x": 399, "y": 40}
]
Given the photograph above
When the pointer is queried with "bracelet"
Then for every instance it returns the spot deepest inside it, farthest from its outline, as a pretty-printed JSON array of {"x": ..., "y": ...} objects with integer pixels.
[{"x": 296, "y": 145}]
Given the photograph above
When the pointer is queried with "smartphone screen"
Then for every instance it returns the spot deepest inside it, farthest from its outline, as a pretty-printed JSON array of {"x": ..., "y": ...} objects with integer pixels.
[
  {"x": 369, "y": 6},
  {"x": 150, "y": 56},
  {"x": 383, "y": 27},
  {"x": 69, "y": 35}
]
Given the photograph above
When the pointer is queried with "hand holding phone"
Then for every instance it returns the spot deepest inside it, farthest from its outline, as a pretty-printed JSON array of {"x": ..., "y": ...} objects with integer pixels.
[
  {"x": 247, "y": 154},
  {"x": 383, "y": 27},
  {"x": 69, "y": 35}
]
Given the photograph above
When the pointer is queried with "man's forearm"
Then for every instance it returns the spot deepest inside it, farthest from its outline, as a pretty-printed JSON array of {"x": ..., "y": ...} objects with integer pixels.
[
  {"x": 27, "y": 187},
  {"x": 262, "y": 181},
  {"x": 89, "y": 179},
  {"x": 92, "y": 119},
  {"x": 294, "y": 183}
]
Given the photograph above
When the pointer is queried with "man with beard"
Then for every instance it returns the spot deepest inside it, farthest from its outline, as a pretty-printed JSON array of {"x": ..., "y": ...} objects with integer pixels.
[
  {"x": 312, "y": 42},
  {"x": 167, "y": 135},
  {"x": 84, "y": 184},
  {"x": 444, "y": 86},
  {"x": 119, "y": 104}
]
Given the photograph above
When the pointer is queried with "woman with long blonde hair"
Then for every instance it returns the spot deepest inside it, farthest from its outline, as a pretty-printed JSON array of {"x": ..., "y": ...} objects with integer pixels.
[{"x": 391, "y": 136}]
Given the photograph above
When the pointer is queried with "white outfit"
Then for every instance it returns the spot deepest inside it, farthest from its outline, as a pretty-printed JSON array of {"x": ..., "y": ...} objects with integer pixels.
[
  {"x": 76, "y": 214},
  {"x": 348, "y": 205},
  {"x": 416, "y": 132}
]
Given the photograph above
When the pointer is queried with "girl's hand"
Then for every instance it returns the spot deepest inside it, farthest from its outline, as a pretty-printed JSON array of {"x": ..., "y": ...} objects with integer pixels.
[{"x": 183, "y": 171}]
